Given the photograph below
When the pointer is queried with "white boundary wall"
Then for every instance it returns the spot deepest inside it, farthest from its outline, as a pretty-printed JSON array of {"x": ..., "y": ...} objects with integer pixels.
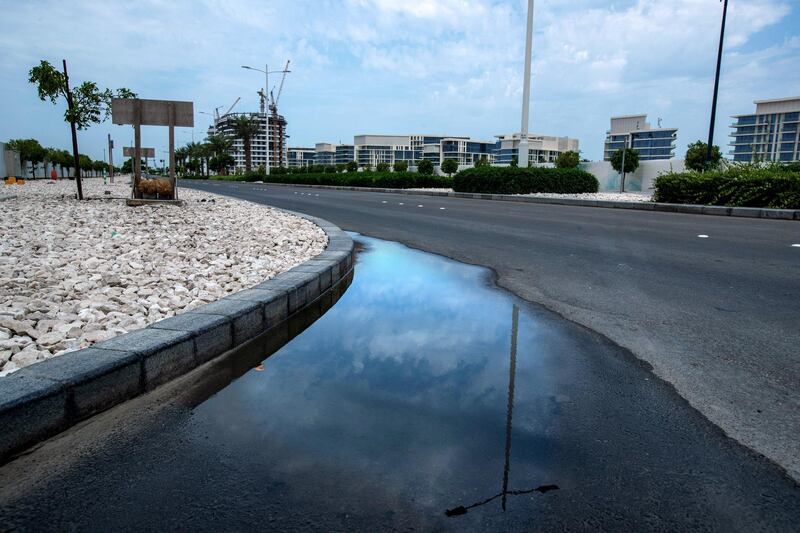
[{"x": 639, "y": 181}]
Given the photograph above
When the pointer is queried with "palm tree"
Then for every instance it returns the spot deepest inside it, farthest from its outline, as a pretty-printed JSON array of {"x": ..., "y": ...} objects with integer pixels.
[
  {"x": 180, "y": 156},
  {"x": 220, "y": 145},
  {"x": 245, "y": 127}
]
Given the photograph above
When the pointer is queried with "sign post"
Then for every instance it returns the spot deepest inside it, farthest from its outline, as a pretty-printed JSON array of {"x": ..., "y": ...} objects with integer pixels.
[{"x": 139, "y": 112}]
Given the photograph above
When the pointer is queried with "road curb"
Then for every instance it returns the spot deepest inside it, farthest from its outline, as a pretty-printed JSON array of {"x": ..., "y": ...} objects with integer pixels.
[
  {"x": 715, "y": 210},
  {"x": 43, "y": 399}
]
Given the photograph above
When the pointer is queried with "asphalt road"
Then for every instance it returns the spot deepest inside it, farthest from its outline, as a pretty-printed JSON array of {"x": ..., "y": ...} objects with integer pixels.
[{"x": 712, "y": 303}]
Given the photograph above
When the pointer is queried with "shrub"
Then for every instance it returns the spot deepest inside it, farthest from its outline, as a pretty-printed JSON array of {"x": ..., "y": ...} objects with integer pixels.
[
  {"x": 450, "y": 166},
  {"x": 389, "y": 180},
  {"x": 569, "y": 159},
  {"x": 352, "y": 166},
  {"x": 425, "y": 167},
  {"x": 516, "y": 180},
  {"x": 696, "y": 155},
  {"x": 330, "y": 169},
  {"x": 774, "y": 186},
  {"x": 401, "y": 166}
]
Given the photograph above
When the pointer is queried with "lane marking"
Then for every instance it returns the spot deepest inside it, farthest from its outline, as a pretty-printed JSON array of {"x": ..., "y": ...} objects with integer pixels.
[
  {"x": 796, "y": 246},
  {"x": 441, "y": 208},
  {"x": 383, "y": 202},
  {"x": 420, "y": 205},
  {"x": 401, "y": 203},
  {"x": 703, "y": 236}
]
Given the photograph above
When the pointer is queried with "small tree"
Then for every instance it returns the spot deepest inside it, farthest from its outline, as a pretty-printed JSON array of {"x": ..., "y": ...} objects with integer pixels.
[
  {"x": 220, "y": 163},
  {"x": 696, "y": 156},
  {"x": 330, "y": 169},
  {"x": 86, "y": 103},
  {"x": 631, "y": 158},
  {"x": 352, "y": 166},
  {"x": 246, "y": 127},
  {"x": 450, "y": 166},
  {"x": 425, "y": 167},
  {"x": 382, "y": 167},
  {"x": 569, "y": 159},
  {"x": 514, "y": 161},
  {"x": 482, "y": 162},
  {"x": 30, "y": 151},
  {"x": 341, "y": 167},
  {"x": 401, "y": 166}
]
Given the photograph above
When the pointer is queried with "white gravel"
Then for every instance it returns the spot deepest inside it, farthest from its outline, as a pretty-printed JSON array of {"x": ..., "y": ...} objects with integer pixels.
[
  {"x": 75, "y": 273},
  {"x": 611, "y": 196}
]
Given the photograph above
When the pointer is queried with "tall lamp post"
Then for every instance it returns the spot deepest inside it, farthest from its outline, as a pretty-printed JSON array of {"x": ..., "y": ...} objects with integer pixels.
[
  {"x": 266, "y": 73},
  {"x": 526, "y": 91},
  {"x": 716, "y": 85}
]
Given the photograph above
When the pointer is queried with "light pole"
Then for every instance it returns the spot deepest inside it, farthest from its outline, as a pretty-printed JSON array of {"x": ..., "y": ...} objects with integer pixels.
[
  {"x": 213, "y": 118},
  {"x": 716, "y": 86},
  {"x": 526, "y": 91},
  {"x": 266, "y": 72}
]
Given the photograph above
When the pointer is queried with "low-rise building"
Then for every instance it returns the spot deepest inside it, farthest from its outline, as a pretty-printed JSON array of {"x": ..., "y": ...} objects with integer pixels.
[
  {"x": 300, "y": 157},
  {"x": 635, "y": 132},
  {"x": 541, "y": 148},
  {"x": 770, "y": 134},
  {"x": 324, "y": 153}
]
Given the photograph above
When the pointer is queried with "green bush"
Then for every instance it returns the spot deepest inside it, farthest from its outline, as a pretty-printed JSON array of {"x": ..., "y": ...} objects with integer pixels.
[
  {"x": 388, "y": 180},
  {"x": 194, "y": 177},
  {"x": 518, "y": 180},
  {"x": 776, "y": 186}
]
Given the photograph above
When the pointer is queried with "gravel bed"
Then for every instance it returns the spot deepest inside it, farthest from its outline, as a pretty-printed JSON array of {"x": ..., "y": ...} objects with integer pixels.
[
  {"x": 75, "y": 273},
  {"x": 610, "y": 196}
]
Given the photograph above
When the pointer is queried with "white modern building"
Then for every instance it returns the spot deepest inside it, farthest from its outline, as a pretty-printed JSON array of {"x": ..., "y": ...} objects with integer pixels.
[
  {"x": 770, "y": 134},
  {"x": 278, "y": 152},
  {"x": 541, "y": 148},
  {"x": 369, "y": 150},
  {"x": 300, "y": 157},
  {"x": 635, "y": 132}
]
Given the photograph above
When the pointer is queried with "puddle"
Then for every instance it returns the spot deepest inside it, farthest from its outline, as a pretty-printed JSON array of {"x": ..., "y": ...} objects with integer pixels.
[{"x": 425, "y": 398}]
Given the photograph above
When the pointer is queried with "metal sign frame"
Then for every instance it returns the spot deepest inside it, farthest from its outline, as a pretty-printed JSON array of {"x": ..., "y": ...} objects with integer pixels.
[{"x": 140, "y": 112}]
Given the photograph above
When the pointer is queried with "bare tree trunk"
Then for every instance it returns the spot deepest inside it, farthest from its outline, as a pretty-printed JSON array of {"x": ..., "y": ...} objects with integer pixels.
[{"x": 74, "y": 136}]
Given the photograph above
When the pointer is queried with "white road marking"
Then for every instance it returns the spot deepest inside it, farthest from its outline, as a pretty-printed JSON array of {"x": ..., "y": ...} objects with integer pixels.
[
  {"x": 383, "y": 201},
  {"x": 420, "y": 205},
  {"x": 703, "y": 236},
  {"x": 316, "y": 195},
  {"x": 796, "y": 246},
  {"x": 401, "y": 203},
  {"x": 441, "y": 208}
]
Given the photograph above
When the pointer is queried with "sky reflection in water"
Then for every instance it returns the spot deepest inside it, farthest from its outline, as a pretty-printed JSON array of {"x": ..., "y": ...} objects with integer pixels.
[{"x": 402, "y": 387}]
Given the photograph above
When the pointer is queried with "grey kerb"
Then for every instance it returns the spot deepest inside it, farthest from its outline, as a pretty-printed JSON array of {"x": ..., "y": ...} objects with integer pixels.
[{"x": 45, "y": 398}]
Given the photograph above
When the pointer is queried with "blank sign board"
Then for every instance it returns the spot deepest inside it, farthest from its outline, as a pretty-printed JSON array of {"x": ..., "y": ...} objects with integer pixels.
[
  {"x": 127, "y": 151},
  {"x": 152, "y": 112}
]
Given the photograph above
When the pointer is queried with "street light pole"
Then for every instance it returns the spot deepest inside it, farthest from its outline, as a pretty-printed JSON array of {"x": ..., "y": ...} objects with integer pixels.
[
  {"x": 716, "y": 85},
  {"x": 526, "y": 91}
]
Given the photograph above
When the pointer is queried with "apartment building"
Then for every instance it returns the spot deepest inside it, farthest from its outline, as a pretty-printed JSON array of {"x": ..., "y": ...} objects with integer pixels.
[
  {"x": 635, "y": 132},
  {"x": 769, "y": 134}
]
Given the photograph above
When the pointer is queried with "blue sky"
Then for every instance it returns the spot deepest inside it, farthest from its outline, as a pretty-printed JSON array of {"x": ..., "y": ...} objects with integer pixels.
[{"x": 452, "y": 67}]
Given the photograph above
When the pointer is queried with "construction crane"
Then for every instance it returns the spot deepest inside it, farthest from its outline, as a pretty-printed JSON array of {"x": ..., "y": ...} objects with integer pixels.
[
  {"x": 273, "y": 107},
  {"x": 232, "y": 106}
]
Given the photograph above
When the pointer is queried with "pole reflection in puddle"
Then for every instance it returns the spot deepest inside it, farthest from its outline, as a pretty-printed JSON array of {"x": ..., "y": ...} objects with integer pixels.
[{"x": 512, "y": 374}]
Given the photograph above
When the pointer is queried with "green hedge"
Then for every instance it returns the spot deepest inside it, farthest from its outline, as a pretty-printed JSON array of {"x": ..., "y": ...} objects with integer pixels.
[
  {"x": 387, "y": 180},
  {"x": 518, "y": 180},
  {"x": 743, "y": 186}
]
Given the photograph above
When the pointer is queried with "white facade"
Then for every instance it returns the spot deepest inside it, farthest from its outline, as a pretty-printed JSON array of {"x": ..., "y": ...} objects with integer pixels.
[{"x": 541, "y": 148}]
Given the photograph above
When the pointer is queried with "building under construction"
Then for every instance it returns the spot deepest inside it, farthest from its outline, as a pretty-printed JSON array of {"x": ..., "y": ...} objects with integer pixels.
[{"x": 258, "y": 145}]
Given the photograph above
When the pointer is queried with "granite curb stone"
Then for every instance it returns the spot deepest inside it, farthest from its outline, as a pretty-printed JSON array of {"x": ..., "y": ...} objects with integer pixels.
[{"x": 45, "y": 398}]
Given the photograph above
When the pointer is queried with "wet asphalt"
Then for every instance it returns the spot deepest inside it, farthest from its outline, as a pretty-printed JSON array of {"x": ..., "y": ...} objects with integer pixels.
[
  {"x": 424, "y": 399},
  {"x": 712, "y": 303}
]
